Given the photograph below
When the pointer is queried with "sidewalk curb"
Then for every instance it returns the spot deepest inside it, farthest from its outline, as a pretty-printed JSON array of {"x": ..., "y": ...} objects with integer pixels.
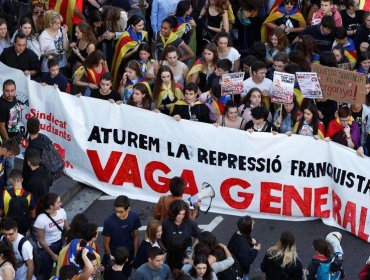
[{"x": 65, "y": 187}]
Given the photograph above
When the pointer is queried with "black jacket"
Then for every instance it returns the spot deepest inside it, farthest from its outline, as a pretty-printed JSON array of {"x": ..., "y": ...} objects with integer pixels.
[
  {"x": 242, "y": 250},
  {"x": 274, "y": 271},
  {"x": 38, "y": 144}
]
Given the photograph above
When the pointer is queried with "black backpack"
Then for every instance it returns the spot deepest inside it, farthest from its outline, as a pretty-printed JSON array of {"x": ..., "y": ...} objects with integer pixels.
[
  {"x": 52, "y": 161},
  {"x": 19, "y": 210},
  {"x": 36, "y": 259}
]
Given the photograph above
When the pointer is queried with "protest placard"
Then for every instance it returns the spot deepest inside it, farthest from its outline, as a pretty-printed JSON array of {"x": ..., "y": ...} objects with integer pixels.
[
  {"x": 283, "y": 88},
  {"x": 341, "y": 85},
  {"x": 309, "y": 84},
  {"x": 232, "y": 83},
  {"x": 345, "y": 66}
]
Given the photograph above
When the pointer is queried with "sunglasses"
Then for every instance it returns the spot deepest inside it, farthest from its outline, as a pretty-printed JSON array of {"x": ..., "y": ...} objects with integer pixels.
[{"x": 290, "y": 3}]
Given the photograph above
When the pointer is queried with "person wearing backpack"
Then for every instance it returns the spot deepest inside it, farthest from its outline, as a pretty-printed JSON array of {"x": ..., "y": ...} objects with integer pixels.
[
  {"x": 17, "y": 203},
  {"x": 39, "y": 181},
  {"x": 50, "y": 158},
  {"x": 318, "y": 269},
  {"x": 23, "y": 250}
]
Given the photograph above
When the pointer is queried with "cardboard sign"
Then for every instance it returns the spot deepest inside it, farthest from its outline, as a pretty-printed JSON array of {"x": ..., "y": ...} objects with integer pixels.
[
  {"x": 341, "y": 85},
  {"x": 283, "y": 88},
  {"x": 309, "y": 84},
  {"x": 232, "y": 83},
  {"x": 345, "y": 66}
]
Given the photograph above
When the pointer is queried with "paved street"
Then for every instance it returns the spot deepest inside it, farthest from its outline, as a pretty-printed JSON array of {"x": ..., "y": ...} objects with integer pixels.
[{"x": 266, "y": 232}]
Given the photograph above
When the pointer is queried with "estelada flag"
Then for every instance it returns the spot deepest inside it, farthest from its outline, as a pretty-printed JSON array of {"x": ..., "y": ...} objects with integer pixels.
[
  {"x": 66, "y": 9},
  {"x": 365, "y": 5}
]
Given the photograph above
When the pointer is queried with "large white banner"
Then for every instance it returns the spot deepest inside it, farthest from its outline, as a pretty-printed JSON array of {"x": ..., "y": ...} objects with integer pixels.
[{"x": 125, "y": 150}]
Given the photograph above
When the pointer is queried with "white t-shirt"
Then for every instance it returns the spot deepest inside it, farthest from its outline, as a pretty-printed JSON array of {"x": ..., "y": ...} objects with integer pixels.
[
  {"x": 49, "y": 43},
  {"x": 52, "y": 233},
  {"x": 21, "y": 272},
  {"x": 233, "y": 56},
  {"x": 248, "y": 84}
]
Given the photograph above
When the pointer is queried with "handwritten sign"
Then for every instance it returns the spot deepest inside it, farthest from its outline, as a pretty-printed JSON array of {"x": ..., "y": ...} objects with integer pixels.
[
  {"x": 309, "y": 84},
  {"x": 283, "y": 88},
  {"x": 345, "y": 66},
  {"x": 232, "y": 83},
  {"x": 341, "y": 85}
]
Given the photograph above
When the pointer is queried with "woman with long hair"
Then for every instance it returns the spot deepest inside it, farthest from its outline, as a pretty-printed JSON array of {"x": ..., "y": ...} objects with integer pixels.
[
  {"x": 310, "y": 124},
  {"x": 281, "y": 261},
  {"x": 152, "y": 238},
  {"x": 204, "y": 67},
  {"x": 243, "y": 246},
  {"x": 131, "y": 77},
  {"x": 363, "y": 63},
  {"x": 278, "y": 42},
  {"x": 87, "y": 77},
  {"x": 230, "y": 118},
  {"x": 286, "y": 117},
  {"x": 37, "y": 16},
  {"x": 146, "y": 64},
  {"x": 309, "y": 49},
  {"x": 170, "y": 57},
  {"x": 252, "y": 100},
  {"x": 4, "y": 35},
  {"x": 322, "y": 254},
  {"x": 179, "y": 224},
  {"x": 127, "y": 46},
  {"x": 296, "y": 56},
  {"x": 226, "y": 50},
  {"x": 50, "y": 224},
  {"x": 141, "y": 98},
  {"x": 166, "y": 91},
  {"x": 53, "y": 40},
  {"x": 201, "y": 269},
  {"x": 8, "y": 262},
  {"x": 25, "y": 26},
  {"x": 85, "y": 44},
  {"x": 215, "y": 18}
]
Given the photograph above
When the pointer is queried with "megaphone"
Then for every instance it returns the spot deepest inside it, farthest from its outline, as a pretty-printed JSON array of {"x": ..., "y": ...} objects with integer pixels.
[{"x": 205, "y": 192}]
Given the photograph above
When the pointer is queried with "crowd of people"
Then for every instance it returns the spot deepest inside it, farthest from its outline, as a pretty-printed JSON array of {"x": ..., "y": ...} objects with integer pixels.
[{"x": 169, "y": 56}]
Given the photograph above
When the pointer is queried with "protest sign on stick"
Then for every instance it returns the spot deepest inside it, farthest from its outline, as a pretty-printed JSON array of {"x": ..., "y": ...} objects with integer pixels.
[
  {"x": 341, "y": 85},
  {"x": 232, "y": 83},
  {"x": 283, "y": 88},
  {"x": 309, "y": 84}
]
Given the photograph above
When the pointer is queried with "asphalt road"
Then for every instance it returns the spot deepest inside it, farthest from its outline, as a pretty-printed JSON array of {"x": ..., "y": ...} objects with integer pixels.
[{"x": 266, "y": 232}]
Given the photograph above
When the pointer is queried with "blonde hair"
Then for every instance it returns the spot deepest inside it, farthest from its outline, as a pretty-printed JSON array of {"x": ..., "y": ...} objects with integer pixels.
[
  {"x": 285, "y": 248},
  {"x": 50, "y": 17}
]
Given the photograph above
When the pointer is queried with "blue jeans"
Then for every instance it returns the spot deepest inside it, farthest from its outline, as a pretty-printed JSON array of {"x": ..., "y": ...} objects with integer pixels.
[
  {"x": 245, "y": 276},
  {"x": 47, "y": 261}
]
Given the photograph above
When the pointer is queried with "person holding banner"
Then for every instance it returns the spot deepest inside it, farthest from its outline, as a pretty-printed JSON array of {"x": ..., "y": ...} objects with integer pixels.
[
  {"x": 190, "y": 108},
  {"x": 230, "y": 118},
  {"x": 141, "y": 98},
  {"x": 259, "y": 122},
  {"x": 344, "y": 129},
  {"x": 310, "y": 124},
  {"x": 166, "y": 91}
]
